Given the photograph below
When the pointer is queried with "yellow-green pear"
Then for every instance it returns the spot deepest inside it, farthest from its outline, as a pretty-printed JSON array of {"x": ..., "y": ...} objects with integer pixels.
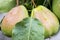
[
  {"x": 6, "y": 5},
  {"x": 56, "y": 7}
]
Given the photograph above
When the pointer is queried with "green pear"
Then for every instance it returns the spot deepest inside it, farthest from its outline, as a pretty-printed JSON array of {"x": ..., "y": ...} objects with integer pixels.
[
  {"x": 47, "y": 18},
  {"x": 56, "y": 7},
  {"x": 14, "y": 16},
  {"x": 6, "y": 5}
]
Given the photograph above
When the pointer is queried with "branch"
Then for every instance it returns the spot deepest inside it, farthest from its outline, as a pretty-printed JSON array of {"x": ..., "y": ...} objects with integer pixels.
[
  {"x": 33, "y": 3},
  {"x": 17, "y": 1}
]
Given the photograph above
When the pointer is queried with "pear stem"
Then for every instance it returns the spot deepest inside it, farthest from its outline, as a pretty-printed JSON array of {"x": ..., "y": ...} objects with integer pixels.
[
  {"x": 33, "y": 3},
  {"x": 17, "y": 1}
]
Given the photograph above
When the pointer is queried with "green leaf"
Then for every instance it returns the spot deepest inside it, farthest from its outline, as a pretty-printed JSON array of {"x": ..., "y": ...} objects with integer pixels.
[{"x": 28, "y": 29}]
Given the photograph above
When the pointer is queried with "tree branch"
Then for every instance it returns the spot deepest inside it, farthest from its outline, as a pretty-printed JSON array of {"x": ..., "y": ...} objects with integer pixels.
[
  {"x": 33, "y": 3},
  {"x": 17, "y": 2}
]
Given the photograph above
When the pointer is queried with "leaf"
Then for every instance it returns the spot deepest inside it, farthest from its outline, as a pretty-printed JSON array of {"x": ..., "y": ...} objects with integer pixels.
[{"x": 28, "y": 29}]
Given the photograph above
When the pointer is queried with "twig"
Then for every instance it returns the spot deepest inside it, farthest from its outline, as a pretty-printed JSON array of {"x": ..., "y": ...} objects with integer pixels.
[
  {"x": 33, "y": 3},
  {"x": 17, "y": 1},
  {"x": 44, "y": 2}
]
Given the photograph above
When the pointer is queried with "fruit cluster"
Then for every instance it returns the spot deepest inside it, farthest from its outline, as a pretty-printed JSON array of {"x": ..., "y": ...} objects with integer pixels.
[{"x": 47, "y": 18}]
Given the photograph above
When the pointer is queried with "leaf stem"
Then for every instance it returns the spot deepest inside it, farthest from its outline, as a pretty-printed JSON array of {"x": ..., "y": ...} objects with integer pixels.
[{"x": 30, "y": 29}]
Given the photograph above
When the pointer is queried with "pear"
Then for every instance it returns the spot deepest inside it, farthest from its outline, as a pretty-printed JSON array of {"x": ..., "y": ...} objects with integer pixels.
[
  {"x": 6, "y": 5},
  {"x": 1, "y": 18},
  {"x": 48, "y": 20},
  {"x": 56, "y": 7},
  {"x": 14, "y": 16}
]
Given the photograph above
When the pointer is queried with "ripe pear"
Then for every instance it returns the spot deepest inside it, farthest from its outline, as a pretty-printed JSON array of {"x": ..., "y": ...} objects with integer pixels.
[
  {"x": 56, "y": 7},
  {"x": 6, "y": 5},
  {"x": 47, "y": 18},
  {"x": 14, "y": 16}
]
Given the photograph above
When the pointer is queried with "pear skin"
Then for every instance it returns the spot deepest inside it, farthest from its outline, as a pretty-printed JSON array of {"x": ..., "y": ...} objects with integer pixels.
[
  {"x": 14, "y": 16},
  {"x": 48, "y": 19}
]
